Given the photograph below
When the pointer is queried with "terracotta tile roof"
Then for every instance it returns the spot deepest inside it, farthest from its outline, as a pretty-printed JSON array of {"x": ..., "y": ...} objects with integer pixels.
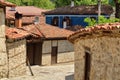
[
  {"x": 5, "y": 3},
  {"x": 14, "y": 33},
  {"x": 47, "y": 31},
  {"x": 10, "y": 17},
  {"x": 25, "y": 10},
  {"x": 97, "y": 29},
  {"x": 29, "y": 13},
  {"x": 82, "y": 9},
  {"x": 33, "y": 30}
]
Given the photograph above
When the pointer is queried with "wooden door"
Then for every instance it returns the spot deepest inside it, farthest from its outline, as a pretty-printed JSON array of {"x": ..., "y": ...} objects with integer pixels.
[
  {"x": 30, "y": 51},
  {"x": 54, "y": 55},
  {"x": 38, "y": 54}
]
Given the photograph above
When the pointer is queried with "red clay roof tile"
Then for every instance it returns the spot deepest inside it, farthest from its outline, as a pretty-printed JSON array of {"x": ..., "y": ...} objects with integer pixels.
[
  {"x": 33, "y": 30},
  {"x": 26, "y": 10},
  {"x": 14, "y": 33},
  {"x": 48, "y": 31},
  {"x": 100, "y": 27}
]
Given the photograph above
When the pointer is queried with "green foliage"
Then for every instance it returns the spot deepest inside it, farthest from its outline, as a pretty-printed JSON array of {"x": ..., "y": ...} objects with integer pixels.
[
  {"x": 60, "y": 3},
  {"x": 102, "y": 19},
  {"x": 47, "y": 4},
  {"x": 90, "y": 21},
  {"x": 50, "y": 4}
]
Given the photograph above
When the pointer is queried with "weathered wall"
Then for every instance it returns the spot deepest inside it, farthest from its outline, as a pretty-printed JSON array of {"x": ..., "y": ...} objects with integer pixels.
[
  {"x": 3, "y": 53},
  {"x": 62, "y": 57},
  {"x": 16, "y": 58},
  {"x": 105, "y": 58},
  {"x": 63, "y": 46}
]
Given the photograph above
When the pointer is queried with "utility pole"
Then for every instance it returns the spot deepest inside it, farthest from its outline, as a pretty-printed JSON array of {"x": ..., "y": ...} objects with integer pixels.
[{"x": 99, "y": 10}]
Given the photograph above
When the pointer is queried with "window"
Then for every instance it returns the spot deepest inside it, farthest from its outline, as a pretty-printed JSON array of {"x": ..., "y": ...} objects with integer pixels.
[
  {"x": 66, "y": 22},
  {"x": 55, "y": 21}
]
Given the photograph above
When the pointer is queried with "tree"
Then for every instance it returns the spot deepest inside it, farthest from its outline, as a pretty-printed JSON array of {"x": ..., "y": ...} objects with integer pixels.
[
  {"x": 60, "y": 3},
  {"x": 117, "y": 8},
  {"x": 47, "y": 4}
]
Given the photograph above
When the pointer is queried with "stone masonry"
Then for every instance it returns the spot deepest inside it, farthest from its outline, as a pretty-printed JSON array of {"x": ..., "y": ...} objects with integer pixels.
[
  {"x": 63, "y": 46},
  {"x": 105, "y": 61},
  {"x": 65, "y": 51},
  {"x": 3, "y": 53},
  {"x": 16, "y": 52}
]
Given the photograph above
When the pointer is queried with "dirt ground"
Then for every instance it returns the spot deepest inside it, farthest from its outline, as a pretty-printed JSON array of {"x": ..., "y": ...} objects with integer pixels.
[{"x": 62, "y": 71}]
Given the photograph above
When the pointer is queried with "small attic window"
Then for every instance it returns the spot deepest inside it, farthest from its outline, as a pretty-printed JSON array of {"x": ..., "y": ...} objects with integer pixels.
[
  {"x": 55, "y": 21},
  {"x": 36, "y": 20},
  {"x": 12, "y": 9}
]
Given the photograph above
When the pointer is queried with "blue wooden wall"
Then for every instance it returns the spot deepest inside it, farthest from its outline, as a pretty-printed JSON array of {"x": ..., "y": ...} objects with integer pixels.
[{"x": 75, "y": 19}]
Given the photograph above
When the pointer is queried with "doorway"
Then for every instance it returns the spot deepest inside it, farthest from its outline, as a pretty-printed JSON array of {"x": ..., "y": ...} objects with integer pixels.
[{"x": 87, "y": 64}]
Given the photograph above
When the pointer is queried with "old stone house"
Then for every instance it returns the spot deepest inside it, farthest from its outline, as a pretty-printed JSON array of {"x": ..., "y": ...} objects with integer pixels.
[
  {"x": 49, "y": 41},
  {"x": 43, "y": 35},
  {"x": 16, "y": 51},
  {"x": 12, "y": 62},
  {"x": 97, "y": 52}
]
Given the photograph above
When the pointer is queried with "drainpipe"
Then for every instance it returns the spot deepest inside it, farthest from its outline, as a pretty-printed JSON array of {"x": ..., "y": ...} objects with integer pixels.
[{"x": 99, "y": 10}]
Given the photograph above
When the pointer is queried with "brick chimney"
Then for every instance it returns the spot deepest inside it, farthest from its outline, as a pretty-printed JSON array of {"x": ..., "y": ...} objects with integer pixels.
[{"x": 18, "y": 20}]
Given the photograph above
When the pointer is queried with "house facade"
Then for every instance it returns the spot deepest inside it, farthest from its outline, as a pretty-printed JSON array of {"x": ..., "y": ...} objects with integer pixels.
[
  {"x": 97, "y": 52},
  {"x": 47, "y": 44},
  {"x": 67, "y": 16}
]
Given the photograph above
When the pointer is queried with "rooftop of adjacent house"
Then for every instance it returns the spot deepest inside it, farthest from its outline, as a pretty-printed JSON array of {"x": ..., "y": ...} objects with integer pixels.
[
  {"x": 47, "y": 31},
  {"x": 6, "y": 3},
  {"x": 108, "y": 29},
  {"x": 78, "y": 10},
  {"x": 29, "y": 14},
  {"x": 14, "y": 33},
  {"x": 25, "y": 10}
]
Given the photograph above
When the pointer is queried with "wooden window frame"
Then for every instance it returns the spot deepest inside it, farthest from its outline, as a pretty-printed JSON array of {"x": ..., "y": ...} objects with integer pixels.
[{"x": 55, "y": 21}]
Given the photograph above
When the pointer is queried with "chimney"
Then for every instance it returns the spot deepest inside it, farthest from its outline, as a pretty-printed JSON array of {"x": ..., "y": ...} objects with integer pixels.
[
  {"x": 72, "y": 3},
  {"x": 18, "y": 20},
  {"x": 36, "y": 20}
]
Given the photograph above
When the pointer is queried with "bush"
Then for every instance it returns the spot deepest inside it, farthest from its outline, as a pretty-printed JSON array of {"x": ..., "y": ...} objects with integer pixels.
[{"x": 102, "y": 19}]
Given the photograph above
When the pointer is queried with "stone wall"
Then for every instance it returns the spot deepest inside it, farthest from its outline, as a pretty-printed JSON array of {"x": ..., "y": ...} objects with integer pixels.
[
  {"x": 62, "y": 58},
  {"x": 3, "y": 53},
  {"x": 16, "y": 58},
  {"x": 63, "y": 46},
  {"x": 105, "y": 58}
]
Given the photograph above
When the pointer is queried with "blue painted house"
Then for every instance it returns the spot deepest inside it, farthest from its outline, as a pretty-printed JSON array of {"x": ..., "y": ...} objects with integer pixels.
[{"x": 71, "y": 16}]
